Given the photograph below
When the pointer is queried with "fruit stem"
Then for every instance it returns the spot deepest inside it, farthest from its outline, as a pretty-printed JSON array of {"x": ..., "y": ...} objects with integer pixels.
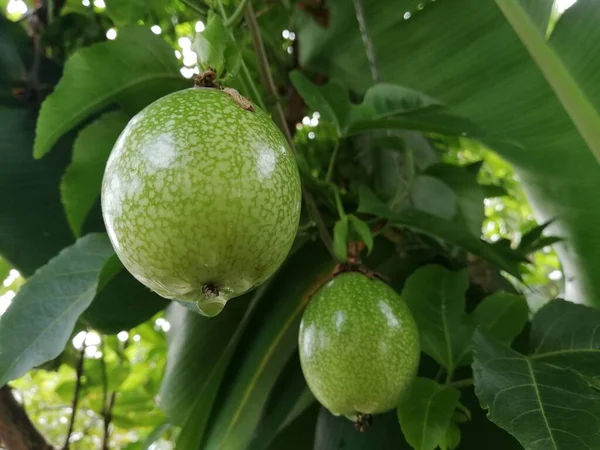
[{"x": 271, "y": 92}]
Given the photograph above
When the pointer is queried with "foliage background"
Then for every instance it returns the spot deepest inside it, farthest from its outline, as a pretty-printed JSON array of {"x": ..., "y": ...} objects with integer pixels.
[{"x": 132, "y": 360}]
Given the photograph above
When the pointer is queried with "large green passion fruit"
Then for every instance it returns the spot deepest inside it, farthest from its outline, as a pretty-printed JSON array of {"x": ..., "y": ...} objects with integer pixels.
[
  {"x": 359, "y": 346},
  {"x": 201, "y": 197}
]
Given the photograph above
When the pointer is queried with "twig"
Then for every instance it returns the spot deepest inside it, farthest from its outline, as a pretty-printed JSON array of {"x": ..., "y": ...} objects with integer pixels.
[
  {"x": 75, "y": 396},
  {"x": 271, "y": 91},
  {"x": 366, "y": 38},
  {"x": 107, "y": 419},
  {"x": 16, "y": 430}
]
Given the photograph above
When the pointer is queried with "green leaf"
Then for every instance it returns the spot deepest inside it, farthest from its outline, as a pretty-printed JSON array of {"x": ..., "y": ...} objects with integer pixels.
[
  {"x": 387, "y": 99},
  {"x": 502, "y": 316},
  {"x": 289, "y": 399},
  {"x": 425, "y": 413},
  {"x": 435, "y": 296},
  {"x": 122, "y": 304},
  {"x": 155, "y": 435},
  {"x": 339, "y": 433},
  {"x": 331, "y": 100},
  {"x": 196, "y": 347},
  {"x": 469, "y": 194},
  {"x": 437, "y": 227},
  {"x": 109, "y": 72},
  {"x": 80, "y": 186},
  {"x": 559, "y": 70},
  {"x": 29, "y": 191},
  {"x": 299, "y": 435},
  {"x": 4, "y": 270},
  {"x": 533, "y": 235},
  {"x": 521, "y": 107},
  {"x": 126, "y": 12},
  {"x": 12, "y": 40},
  {"x": 542, "y": 405},
  {"x": 362, "y": 229},
  {"x": 433, "y": 197},
  {"x": 268, "y": 343},
  {"x": 565, "y": 335},
  {"x": 492, "y": 190},
  {"x": 40, "y": 319},
  {"x": 210, "y": 45},
  {"x": 432, "y": 119},
  {"x": 340, "y": 239},
  {"x": 452, "y": 438}
]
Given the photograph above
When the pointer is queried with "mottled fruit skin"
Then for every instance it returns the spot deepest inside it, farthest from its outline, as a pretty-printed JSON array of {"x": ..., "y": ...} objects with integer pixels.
[
  {"x": 201, "y": 198},
  {"x": 359, "y": 345}
]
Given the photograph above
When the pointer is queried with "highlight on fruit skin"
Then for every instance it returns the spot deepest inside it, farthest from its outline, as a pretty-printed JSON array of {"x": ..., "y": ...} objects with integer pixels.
[
  {"x": 201, "y": 198},
  {"x": 359, "y": 346}
]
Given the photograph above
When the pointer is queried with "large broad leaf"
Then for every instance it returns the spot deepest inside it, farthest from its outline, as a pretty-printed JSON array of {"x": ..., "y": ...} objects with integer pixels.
[
  {"x": 469, "y": 194},
  {"x": 122, "y": 304},
  {"x": 195, "y": 347},
  {"x": 289, "y": 399},
  {"x": 339, "y": 433},
  {"x": 436, "y": 297},
  {"x": 132, "y": 71},
  {"x": 33, "y": 227},
  {"x": 39, "y": 321},
  {"x": 492, "y": 80},
  {"x": 502, "y": 316},
  {"x": 566, "y": 335},
  {"x": 267, "y": 344},
  {"x": 542, "y": 405},
  {"x": 299, "y": 435},
  {"x": 440, "y": 228},
  {"x": 32, "y": 224},
  {"x": 80, "y": 186},
  {"x": 426, "y": 412}
]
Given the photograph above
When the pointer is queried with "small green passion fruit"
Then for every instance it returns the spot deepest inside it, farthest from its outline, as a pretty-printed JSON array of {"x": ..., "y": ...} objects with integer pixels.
[
  {"x": 359, "y": 346},
  {"x": 201, "y": 197}
]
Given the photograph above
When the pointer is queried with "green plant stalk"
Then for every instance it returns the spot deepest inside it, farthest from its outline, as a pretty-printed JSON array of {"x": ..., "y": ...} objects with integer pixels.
[
  {"x": 581, "y": 111},
  {"x": 338, "y": 202},
  {"x": 249, "y": 86},
  {"x": 332, "y": 162},
  {"x": 236, "y": 16}
]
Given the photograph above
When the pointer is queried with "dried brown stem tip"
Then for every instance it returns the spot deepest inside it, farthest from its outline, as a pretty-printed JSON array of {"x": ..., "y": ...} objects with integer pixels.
[
  {"x": 363, "y": 422},
  {"x": 206, "y": 79}
]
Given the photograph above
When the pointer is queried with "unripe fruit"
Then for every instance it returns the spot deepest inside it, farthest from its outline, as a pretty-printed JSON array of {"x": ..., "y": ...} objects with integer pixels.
[
  {"x": 201, "y": 198},
  {"x": 359, "y": 346}
]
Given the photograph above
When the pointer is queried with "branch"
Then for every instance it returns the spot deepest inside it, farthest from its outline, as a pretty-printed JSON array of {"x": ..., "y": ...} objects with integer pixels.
[
  {"x": 75, "y": 396},
  {"x": 272, "y": 97},
  {"x": 107, "y": 419},
  {"x": 16, "y": 430},
  {"x": 364, "y": 33},
  {"x": 106, "y": 408}
]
